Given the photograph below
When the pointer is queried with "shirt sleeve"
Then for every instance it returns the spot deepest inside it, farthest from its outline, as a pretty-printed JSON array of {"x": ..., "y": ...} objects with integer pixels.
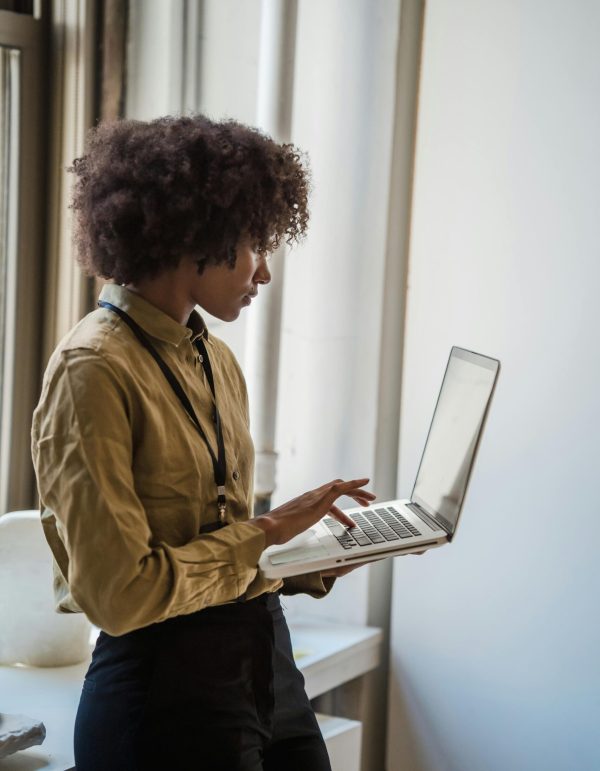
[
  {"x": 117, "y": 573},
  {"x": 313, "y": 584}
]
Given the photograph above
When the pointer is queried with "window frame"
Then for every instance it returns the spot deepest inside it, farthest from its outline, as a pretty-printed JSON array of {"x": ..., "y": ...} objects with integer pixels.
[{"x": 23, "y": 326}]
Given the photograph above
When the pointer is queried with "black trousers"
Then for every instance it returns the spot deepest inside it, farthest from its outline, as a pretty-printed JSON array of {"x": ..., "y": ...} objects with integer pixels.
[{"x": 216, "y": 690}]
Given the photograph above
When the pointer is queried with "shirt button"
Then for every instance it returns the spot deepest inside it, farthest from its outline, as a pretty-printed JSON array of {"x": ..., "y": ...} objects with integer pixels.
[{"x": 236, "y": 475}]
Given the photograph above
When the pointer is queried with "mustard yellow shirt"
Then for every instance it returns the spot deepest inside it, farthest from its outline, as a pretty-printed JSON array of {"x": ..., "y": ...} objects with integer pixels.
[{"x": 126, "y": 482}]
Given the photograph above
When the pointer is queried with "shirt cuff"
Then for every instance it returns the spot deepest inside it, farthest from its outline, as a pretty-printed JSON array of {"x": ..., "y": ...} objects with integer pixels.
[
  {"x": 248, "y": 542},
  {"x": 313, "y": 584}
]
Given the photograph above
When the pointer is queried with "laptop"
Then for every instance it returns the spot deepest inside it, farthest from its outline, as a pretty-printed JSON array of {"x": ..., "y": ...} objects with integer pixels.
[{"x": 427, "y": 519}]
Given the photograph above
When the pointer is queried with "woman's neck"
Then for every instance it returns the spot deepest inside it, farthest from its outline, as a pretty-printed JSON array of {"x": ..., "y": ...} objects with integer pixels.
[{"x": 167, "y": 292}]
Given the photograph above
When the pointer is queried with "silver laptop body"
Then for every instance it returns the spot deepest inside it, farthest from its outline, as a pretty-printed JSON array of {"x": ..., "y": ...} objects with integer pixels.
[{"x": 430, "y": 517}]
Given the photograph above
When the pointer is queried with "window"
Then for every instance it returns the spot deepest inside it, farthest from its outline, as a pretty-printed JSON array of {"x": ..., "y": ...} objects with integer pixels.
[{"x": 22, "y": 181}]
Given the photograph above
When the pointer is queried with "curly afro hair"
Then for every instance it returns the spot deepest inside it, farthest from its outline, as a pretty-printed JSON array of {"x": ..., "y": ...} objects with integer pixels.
[{"x": 146, "y": 193}]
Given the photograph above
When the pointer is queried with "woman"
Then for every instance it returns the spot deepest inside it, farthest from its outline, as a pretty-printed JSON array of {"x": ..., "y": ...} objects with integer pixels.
[{"x": 145, "y": 462}]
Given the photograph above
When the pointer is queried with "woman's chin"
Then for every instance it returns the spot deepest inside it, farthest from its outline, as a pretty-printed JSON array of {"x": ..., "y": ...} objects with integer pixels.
[{"x": 230, "y": 315}]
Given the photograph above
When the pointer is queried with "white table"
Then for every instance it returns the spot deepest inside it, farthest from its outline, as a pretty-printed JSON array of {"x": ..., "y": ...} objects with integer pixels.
[
  {"x": 328, "y": 655},
  {"x": 50, "y": 695}
]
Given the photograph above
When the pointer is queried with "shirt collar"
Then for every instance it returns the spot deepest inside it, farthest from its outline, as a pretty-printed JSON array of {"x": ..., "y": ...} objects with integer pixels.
[{"x": 153, "y": 321}]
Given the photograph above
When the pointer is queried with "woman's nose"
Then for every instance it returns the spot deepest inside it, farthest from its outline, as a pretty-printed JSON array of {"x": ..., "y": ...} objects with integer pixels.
[{"x": 263, "y": 274}]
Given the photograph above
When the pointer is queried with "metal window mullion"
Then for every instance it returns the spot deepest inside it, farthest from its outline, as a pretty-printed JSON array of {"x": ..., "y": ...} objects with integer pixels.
[{"x": 11, "y": 70}]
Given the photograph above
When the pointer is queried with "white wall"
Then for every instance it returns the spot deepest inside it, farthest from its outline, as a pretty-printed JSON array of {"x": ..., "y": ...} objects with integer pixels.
[{"x": 495, "y": 638}]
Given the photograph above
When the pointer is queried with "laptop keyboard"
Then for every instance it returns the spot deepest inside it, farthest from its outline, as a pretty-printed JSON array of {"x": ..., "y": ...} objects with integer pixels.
[{"x": 376, "y": 526}]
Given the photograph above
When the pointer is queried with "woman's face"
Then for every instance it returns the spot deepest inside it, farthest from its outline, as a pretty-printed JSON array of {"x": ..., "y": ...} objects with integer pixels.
[{"x": 223, "y": 291}]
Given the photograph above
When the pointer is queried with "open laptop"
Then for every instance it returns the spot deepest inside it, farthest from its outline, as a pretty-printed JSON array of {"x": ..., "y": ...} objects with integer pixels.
[{"x": 430, "y": 517}]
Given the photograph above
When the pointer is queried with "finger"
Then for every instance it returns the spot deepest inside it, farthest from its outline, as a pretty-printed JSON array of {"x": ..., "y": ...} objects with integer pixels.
[
  {"x": 369, "y": 496},
  {"x": 363, "y": 501},
  {"x": 358, "y": 496},
  {"x": 349, "y": 488},
  {"x": 359, "y": 482},
  {"x": 341, "y": 517},
  {"x": 340, "y": 482},
  {"x": 350, "y": 484},
  {"x": 328, "y": 485}
]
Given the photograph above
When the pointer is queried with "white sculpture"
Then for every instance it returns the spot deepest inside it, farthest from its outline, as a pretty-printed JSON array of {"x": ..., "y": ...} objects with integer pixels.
[
  {"x": 18, "y": 732},
  {"x": 31, "y": 632}
]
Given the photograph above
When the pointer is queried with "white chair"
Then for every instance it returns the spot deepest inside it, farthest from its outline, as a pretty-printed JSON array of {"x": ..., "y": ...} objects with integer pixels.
[{"x": 31, "y": 632}]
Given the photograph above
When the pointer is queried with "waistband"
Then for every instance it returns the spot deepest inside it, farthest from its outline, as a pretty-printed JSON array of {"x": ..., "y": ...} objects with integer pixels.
[{"x": 270, "y": 600}]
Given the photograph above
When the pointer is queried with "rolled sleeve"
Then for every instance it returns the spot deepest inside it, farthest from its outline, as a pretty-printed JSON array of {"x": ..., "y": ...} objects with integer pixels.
[{"x": 313, "y": 584}]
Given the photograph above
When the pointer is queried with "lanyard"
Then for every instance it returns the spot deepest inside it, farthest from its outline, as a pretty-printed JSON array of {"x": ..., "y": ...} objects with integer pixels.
[{"x": 218, "y": 461}]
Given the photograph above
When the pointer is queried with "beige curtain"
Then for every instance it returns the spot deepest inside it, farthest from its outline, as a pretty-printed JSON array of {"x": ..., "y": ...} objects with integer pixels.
[
  {"x": 21, "y": 214},
  {"x": 88, "y": 59}
]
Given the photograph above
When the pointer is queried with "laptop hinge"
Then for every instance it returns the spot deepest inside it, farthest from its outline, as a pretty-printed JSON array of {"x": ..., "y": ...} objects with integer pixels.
[{"x": 423, "y": 515}]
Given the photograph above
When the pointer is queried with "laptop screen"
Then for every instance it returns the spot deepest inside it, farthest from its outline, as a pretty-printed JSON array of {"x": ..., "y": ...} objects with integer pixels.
[{"x": 454, "y": 435}]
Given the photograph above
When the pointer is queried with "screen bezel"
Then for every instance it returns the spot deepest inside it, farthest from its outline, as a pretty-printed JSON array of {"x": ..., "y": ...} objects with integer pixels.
[{"x": 487, "y": 363}]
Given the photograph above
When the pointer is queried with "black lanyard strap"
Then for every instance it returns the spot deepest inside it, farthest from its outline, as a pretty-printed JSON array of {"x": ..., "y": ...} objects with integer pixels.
[
  {"x": 219, "y": 460},
  {"x": 206, "y": 364}
]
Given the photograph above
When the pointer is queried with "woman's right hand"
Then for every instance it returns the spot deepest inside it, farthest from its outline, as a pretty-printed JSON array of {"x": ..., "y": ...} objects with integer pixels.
[{"x": 300, "y": 513}]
